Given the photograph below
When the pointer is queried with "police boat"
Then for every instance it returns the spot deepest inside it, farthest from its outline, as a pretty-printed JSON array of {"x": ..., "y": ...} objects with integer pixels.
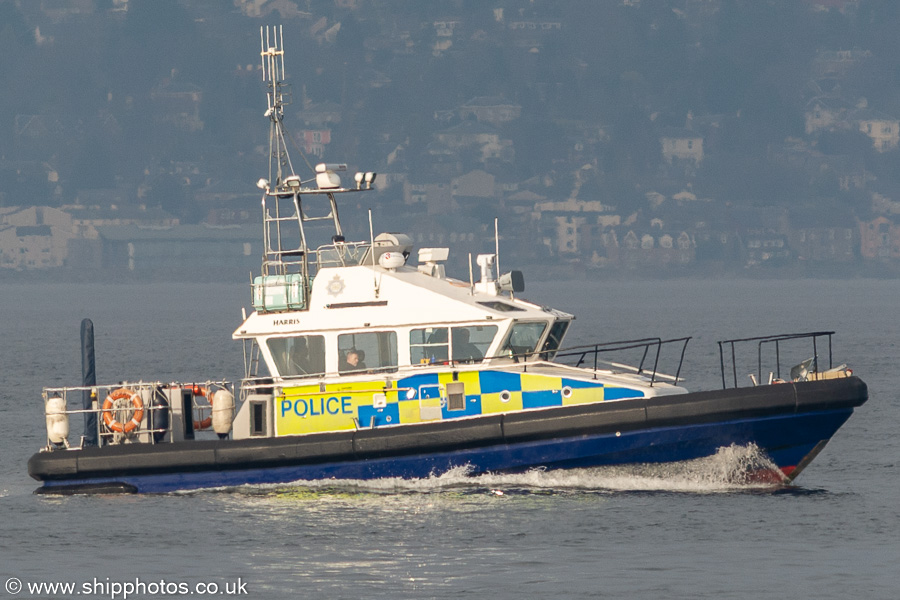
[{"x": 360, "y": 365}]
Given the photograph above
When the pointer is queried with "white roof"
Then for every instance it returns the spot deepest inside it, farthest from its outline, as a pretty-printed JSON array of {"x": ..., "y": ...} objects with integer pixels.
[{"x": 346, "y": 298}]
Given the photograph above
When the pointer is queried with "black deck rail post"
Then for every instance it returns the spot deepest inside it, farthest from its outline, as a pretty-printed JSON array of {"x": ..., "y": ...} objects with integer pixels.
[
  {"x": 758, "y": 361},
  {"x": 733, "y": 365},
  {"x": 815, "y": 355},
  {"x": 659, "y": 344},
  {"x": 722, "y": 364},
  {"x": 681, "y": 360},
  {"x": 643, "y": 358},
  {"x": 778, "y": 358}
]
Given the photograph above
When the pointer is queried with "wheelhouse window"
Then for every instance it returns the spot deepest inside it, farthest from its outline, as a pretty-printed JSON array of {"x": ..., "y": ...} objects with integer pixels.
[
  {"x": 467, "y": 343},
  {"x": 471, "y": 343},
  {"x": 375, "y": 351},
  {"x": 429, "y": 345},
  {"x": 554, "y": 339},
  {"x": 298, "y": 356},
  {"x": 524, "y": 338}
]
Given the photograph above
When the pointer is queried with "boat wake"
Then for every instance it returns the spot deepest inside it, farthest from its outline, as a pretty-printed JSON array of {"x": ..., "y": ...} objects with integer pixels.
[{"x": 733, "y": 468}]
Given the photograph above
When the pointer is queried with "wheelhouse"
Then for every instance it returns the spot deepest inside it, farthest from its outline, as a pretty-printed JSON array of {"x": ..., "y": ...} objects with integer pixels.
[{"x": 317, "y": 354}]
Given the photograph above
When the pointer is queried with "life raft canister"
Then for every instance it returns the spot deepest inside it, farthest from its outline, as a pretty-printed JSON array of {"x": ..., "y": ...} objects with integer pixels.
[{"x": 109, "y": 406}]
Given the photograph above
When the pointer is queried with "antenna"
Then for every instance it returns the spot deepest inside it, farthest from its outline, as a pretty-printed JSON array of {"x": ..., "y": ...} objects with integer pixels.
[
  {"x": 271, "y": 41},
  {"x": 372, "y": 238},
  {"x": 497, "y": 246}
]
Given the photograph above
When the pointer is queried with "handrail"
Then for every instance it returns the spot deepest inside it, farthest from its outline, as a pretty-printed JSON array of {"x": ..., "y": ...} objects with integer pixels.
[
  {"x": 151, "y": 410},
  {"x": 770, "y": 339},
  {"x": 645, "y": 343},
  {"x": 596, "y": 349}
]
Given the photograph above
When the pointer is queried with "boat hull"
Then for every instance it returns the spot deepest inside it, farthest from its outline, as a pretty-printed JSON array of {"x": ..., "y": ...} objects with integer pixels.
[{"x": 790, "y": 423}]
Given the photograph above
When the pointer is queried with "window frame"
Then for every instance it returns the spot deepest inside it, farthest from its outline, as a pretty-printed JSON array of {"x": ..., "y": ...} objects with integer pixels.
[
  {"x": 280, "y": 363},
  {"x": 450, "y": 353},
  {"x": 507, "y": 346},
  {"x": 391, "y": 345},
  {"x": 554, "y": 335}
]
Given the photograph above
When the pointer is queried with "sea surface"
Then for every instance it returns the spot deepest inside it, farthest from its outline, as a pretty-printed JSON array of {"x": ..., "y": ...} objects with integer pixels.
[{"x": 690, "y": 530}]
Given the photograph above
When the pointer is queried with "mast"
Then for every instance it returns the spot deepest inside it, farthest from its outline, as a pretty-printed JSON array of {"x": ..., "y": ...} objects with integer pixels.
[
  {"x": 288, "y": 259},
  {"x": 272, "y": 56},
  {"x": 284, "y": 243}
]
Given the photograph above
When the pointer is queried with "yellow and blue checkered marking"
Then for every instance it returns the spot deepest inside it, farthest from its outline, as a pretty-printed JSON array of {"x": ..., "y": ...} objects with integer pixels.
[{"x": 346, "y": 405}]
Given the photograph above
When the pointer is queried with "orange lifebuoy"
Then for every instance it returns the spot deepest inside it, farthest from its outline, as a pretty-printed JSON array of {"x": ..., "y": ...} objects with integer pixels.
[
  {"x": 136, "y": 418},
  {"x": 199, "y": 390}
]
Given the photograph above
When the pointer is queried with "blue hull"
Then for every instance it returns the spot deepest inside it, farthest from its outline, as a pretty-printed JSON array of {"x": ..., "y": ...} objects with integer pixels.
[{"x": 788, "y": 440}]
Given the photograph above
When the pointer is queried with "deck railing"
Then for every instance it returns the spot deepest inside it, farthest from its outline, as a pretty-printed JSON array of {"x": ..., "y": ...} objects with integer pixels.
[
  {"x": 158, "y": 410},
  {"x": 775, "y": 341},
  {"x": 651, "y": 348},
  {"x": 590, "y": 354}
]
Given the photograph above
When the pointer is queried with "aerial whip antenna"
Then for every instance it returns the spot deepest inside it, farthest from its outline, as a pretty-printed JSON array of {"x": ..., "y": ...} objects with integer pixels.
[{"x": 271, "y": 41}]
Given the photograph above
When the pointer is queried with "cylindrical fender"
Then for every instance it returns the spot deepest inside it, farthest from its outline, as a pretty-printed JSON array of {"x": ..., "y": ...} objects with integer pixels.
[
  {"x": 57, "y": 420},
  {"x": 222, "y": 412}
]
